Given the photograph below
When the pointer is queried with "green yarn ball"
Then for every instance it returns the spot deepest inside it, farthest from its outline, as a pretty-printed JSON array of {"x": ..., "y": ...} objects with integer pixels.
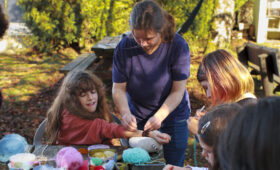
[
  {"x": 96, "y": 161},
  {"x": 136, "y": 156}
]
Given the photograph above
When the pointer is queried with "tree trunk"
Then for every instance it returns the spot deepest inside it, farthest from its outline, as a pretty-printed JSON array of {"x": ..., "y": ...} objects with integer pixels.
[
  {"x": 109, "y": 21},
  {"x": 222, "y": 22}
]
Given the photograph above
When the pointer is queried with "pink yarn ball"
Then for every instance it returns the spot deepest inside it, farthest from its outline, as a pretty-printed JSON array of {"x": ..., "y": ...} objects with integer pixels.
[{"x": 69, "y": 158}]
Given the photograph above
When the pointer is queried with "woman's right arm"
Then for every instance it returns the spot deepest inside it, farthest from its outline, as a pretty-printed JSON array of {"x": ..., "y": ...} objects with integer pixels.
[{"x": 120, "y": 101}]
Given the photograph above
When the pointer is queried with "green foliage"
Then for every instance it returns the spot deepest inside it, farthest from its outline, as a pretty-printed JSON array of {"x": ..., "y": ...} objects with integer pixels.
[
  {"x": 57, "y": 24},
  {"x": 201, "y": 26},
  {"x": 79, "y": 24},
  {"x": 239, "y": 3}
]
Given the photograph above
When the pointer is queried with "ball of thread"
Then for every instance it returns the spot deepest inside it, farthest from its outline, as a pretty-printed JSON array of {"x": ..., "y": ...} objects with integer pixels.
[
  {"x": 11, "y": 144},
  {"x": 136, "y": 156},
  {"x": 70, "y": 158}
]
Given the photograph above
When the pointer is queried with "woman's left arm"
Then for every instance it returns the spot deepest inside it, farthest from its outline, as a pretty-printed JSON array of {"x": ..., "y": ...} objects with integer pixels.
[{"x": 171, "y": 102}]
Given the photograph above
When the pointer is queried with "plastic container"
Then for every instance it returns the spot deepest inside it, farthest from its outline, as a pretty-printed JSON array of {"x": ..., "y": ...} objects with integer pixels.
[{"x": 22, "y": 161}]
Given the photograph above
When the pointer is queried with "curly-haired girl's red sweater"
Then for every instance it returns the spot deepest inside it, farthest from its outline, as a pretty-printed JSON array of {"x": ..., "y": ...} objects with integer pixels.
[{"x": 77, "y": 131}]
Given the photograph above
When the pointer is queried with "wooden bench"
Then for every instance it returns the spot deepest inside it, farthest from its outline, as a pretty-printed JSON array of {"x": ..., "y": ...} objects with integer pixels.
[
  {"x": 82, "y": 62},
  {"x": 264, "y": 61},
  {"x": 100, "y": 62}
]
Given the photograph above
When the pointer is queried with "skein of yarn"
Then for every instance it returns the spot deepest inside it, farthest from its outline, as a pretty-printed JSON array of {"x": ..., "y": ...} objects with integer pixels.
[
  {"x": 11, "y": 144},
  {"x": 136, "y": 156},
  {"x": 69, "y": 158},
  {"x": 147, "y": 143}
]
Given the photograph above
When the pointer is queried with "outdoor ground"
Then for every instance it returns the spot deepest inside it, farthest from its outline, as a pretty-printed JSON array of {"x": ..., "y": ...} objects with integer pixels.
[{"x": 30, "y": 81}]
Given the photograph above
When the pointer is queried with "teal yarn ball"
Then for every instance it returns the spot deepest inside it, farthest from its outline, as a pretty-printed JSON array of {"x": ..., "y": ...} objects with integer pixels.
[{"x": 136, "y": 156}]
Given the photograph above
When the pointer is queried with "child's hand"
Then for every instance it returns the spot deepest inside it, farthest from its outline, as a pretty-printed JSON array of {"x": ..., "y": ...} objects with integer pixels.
[
  {"x": 193, "y": 125},
  {"x": 172, "y": 167},
  {"x": 200, "y": 112},
  {"x": 160, "y": 137}
]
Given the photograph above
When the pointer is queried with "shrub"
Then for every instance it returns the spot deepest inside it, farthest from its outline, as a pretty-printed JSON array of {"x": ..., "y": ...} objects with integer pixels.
[{"x": 57, "y": 24}]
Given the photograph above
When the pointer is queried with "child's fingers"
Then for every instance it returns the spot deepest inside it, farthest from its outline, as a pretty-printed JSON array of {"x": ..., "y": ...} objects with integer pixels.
[{"x": 168, "y": 167}]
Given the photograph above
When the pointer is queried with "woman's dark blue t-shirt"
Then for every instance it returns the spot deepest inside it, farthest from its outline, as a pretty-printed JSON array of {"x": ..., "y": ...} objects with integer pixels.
[{"x": 149, "y": 77}]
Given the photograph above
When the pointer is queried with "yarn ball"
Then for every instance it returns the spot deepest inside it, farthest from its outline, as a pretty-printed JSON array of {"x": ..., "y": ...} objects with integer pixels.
[
  {"x": 136, "y": 156},
  {"x": 10, "y": 145},
  {"x": 147, "y": 143},
  {"x": 70, "y": 158}
]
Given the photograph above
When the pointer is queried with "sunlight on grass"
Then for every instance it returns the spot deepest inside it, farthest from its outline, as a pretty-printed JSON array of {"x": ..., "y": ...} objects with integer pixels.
[{"x": 23, "y": 76}]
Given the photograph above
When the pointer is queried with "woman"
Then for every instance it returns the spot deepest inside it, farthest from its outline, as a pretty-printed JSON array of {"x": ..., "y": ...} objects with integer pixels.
[
  {"x": 251, "y": 140},
  {"x": 150, "y": 71},
  {"x": 224, "y": 80}
]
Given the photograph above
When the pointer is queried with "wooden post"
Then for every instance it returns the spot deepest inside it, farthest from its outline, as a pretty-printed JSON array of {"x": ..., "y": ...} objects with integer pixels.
[
  {"x": 266, "y": 76},
  {"x": 260, "y": 18},
  {"x": 242, "y": 55}
]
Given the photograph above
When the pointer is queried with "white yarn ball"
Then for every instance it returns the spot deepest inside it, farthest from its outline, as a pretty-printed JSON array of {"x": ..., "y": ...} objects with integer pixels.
[{"x": 146, "y": 143}]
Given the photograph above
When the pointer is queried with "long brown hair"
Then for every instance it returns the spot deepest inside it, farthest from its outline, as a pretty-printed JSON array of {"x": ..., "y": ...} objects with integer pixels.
[
  {"x": 148, "y": 15},
  {"x": 251, "y": 140},
  {"x": 75, "y": 83},
  {"x": 227, "y": 77}
]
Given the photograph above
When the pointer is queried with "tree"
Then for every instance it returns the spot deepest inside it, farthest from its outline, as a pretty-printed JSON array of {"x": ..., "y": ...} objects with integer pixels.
[{"x": 223, "y": 20}]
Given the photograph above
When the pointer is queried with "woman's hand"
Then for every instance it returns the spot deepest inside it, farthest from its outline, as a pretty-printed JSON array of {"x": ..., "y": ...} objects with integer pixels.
[
  {"x": 153, "y": 123},
  {"x": 129, "y": 122},
  {"x": 193, "y": 125},
  {"x": 160, "y": 137}
]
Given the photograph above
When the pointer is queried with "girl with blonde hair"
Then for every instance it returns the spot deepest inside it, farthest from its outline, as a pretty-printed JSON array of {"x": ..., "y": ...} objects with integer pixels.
[{"x": 224, "y": 80}]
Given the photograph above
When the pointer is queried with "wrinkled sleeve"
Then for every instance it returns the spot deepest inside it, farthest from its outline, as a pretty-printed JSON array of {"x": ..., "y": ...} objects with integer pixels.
[
  {"x": 181, "y": 61},
  {"x": 104, "y": 130},
  {"x": 118, "y": 71}
]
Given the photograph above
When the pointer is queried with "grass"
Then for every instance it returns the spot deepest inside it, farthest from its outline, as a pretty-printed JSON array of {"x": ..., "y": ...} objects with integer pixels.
[{"x": 23, "y": 75}]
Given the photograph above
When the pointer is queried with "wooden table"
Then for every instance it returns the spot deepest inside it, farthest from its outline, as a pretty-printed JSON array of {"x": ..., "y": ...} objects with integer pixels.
[
  {"x": 50, "y": 151},
  {"x": 100, "y": 61},
  {"x": 104, "y": 50}
]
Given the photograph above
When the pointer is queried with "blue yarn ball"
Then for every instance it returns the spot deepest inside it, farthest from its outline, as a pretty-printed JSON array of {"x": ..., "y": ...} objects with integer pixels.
[
  {"x": 136, "y": 156},
  {"x": 10, "y": 145}
]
